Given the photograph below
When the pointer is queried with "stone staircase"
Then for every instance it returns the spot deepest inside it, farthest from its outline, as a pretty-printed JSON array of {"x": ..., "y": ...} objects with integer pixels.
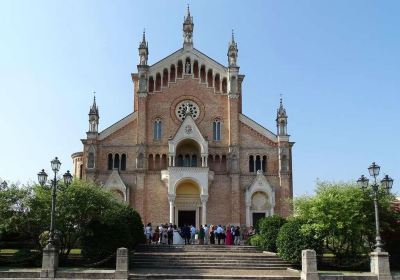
[{"x": 206, "y": 262}]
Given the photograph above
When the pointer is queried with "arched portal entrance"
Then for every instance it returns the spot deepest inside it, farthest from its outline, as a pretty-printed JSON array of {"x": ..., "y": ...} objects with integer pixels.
[{"x": 187, "y": 203}]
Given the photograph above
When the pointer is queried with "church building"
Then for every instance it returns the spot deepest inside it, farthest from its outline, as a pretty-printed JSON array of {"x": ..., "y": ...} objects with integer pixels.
[{"x": 187, "y": 154}]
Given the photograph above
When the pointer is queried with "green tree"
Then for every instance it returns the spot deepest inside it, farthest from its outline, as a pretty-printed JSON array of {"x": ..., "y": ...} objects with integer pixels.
[
  {"x": 268, "y": 230},
  {"x": 26, "y": 210},
  {"x": 343, "y": 216},
  {"x": 293, "y": 238}
]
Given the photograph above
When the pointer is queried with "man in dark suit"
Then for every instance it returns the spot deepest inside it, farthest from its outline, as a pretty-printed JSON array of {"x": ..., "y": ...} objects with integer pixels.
[{"x": 186, "y": 234}]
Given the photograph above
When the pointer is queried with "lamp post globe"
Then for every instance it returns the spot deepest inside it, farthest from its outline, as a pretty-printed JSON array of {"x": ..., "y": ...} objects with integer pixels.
[
  {"x": 55, "y": 164},
  {"x": 42, "y": 177},
  {"x": 67, "y": 178}
]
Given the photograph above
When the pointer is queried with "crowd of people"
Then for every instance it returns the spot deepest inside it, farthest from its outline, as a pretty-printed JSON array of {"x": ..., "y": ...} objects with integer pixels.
[{"x": 189, "y": 234}]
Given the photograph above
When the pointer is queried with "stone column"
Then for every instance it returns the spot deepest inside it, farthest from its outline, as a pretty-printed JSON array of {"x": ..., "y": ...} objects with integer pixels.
[
  {"x": 49, "y": 262},
  {"x": 309, "y": 265},
  {"x": 248, "y": 215},
  {"x": 204, "y": 199},
  {"x": 122, "y": 264},
  {"x": 380, "y": 265},
  {"x": 171, "y": 199}
]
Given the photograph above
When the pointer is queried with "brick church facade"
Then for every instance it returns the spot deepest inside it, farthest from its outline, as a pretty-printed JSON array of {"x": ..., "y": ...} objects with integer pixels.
[{"x": 187, "y": 153}]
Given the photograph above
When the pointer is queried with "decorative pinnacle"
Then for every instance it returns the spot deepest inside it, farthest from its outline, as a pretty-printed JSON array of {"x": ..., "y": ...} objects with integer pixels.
[
  {"x": 233, "y": 36},
  {"x": 188, "y": 10},
  {"x": 94, "y": 109},
  {"x": 143, "y": 44}
]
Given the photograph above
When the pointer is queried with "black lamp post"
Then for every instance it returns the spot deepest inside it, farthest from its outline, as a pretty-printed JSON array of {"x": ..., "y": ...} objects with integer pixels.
[
  {"x": 387, "y": 184},
  {"x": 42, "y": 178}
]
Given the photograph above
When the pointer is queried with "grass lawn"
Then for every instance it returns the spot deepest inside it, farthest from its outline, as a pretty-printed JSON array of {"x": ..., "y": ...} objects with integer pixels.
[{"x": 8, "y": 251}]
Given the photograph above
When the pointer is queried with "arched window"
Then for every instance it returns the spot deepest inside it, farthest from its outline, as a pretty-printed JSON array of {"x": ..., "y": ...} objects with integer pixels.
[
  {"x": 123, "y": 162},
  {"x": 223, "y": 163},
  {"x": 194, "y": 161},
  {"x": 172, "y": 73},
  {"x": 157, "y": 165},
  {"x": 158, "y": 82},
  {"x": 80, "y": 171},
  {"x": 285, "y": 163},
  {"x": 151, "y": 84},
  {"x": 196, "y": 69},
  {"x": 210, "y": 78},
  {"x": 157, "y": 129},
  {"x": 186, "y": 162},
  {"x": 251, "y": 164},
  {"x": 116, "y": 161},
  {"x": 180, "y": 161},
  {"x": 151, "y": 162},
  {"x": 264, "y": 163},
  {"x": 165, "y": 78},
  {"x": 217, "y": 83},
  {"x": 258, "y": 163},
  {"x": 90, "y": 162},
  {"x": 180, "y": 69},
  {"x": 203, "y": 74},
  {"x": 216, "y": 130},
  {"x": 224, "y": 85},
  {"x": 164, "y": 161},
  {"x": 110, "y": 162}
]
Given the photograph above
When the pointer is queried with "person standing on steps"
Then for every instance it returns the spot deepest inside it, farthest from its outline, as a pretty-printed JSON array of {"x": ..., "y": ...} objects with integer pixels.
[
  {"x": 170, "y": 234},
  {"x": 201, "y": 235},
  {"x": 212, "y": 235},
  {"x": 186, "y": 234},
  {"x": 206, "y": 235},
  {"x": 229, "y": 238},
  {"x": 219, "y": 231},
  {"x": 148, "y": 231},
  {"x": 192, "y": 235},
  {"x": 237, "y": 235}
]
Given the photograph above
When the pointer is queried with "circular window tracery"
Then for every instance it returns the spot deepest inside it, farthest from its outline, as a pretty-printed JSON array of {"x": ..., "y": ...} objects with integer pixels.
[{"x": 180, "y": 110}]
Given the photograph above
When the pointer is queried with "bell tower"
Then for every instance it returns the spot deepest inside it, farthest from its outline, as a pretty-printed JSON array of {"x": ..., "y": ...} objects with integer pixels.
[{"x": 188, "y": 30}]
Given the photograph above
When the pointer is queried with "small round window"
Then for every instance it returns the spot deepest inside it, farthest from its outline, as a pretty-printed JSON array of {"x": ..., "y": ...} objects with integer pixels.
[{"x": 180, "y": 110}]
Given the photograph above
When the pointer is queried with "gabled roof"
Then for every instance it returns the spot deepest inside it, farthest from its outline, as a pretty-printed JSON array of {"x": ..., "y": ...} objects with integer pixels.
[
  {"x": 257, "y": 127},
  {"x": 116, "y": 126}
]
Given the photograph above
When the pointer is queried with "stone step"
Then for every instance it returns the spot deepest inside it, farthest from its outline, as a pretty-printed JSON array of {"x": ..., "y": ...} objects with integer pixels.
[
  {"x": 195, "y": 277},
  {"x": 214, "y": 267},
  {"x": 207, "y": 259}
]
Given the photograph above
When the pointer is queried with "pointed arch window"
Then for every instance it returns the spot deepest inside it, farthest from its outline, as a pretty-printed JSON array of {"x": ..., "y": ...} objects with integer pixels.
[
  {"x": 90, "y": 162},
  {"x": 110, "y": 162},
  {"x": 251, "y": 163},
  {"x": 123, "y": 162},
  {"x": 157, "y": 129},
  {"x": 116, "y": 161},
  {"x": 258, "y": 163},
  {"x": 217, "y": 130}
]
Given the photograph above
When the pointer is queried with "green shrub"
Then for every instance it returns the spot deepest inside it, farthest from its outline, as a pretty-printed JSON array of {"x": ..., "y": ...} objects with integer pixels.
[
  {"x": 121, "y": 226},
  {"x": 292, "y": 239},
  {"x": 268, "y": 230},
  {"x": 255, "y": 240}
]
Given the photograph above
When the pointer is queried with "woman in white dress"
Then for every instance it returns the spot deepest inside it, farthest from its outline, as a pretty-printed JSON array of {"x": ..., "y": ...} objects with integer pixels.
[{"x": 177, "y": 238}]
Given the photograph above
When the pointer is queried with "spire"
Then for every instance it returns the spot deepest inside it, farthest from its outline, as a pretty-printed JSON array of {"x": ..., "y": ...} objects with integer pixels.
[
  {"x": 143, "y": 50},
  {"x": 281, "y": 113},
  {"x": 188, "y": 29},
  {"x": 232, "y": 51},
  {"x": 94, "y": 110},
  {"x": 93, "y": 118},
  {"x": 281, "y": 119}
]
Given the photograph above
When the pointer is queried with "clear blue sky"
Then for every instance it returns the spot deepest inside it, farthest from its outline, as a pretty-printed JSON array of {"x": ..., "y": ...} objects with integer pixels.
[{"x": 335, "y": 62}]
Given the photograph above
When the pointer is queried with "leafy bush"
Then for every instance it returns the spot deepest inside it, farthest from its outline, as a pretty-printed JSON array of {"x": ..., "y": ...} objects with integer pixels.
[
  {"x": 292, "y": 239},
  {"x": 121, "y": 226},
  {"x": 268, "y": 230},
  {"x": 255, "y": 240}
]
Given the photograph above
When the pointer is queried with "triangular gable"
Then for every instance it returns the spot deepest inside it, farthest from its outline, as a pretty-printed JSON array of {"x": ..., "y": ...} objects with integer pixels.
[
  {"x": 181, "y": 54},
  {"x": 117, "y": 126},
  {"x": 260, "y": 184},
  {"x": 188, "y": 130},
  {"x": 114, "y": 182}
]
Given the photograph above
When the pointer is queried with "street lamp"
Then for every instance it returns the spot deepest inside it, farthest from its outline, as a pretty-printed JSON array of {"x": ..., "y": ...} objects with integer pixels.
[
  {"x": 42, "y": 178},
  {"x": 387, "y": 184}
]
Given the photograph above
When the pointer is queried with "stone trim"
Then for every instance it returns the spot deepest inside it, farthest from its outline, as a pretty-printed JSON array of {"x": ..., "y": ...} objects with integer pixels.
[{"x": 117, "y": 126}]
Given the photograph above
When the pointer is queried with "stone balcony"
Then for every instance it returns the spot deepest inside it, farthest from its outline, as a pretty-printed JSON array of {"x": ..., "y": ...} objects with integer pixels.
[{"x": 174, "y": 175}]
